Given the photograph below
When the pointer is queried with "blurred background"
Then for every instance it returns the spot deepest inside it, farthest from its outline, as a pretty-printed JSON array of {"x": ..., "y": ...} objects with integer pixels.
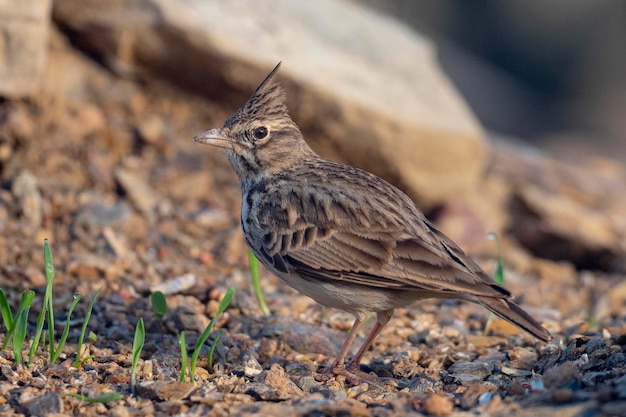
[
  {"x": 404, "y": 89},
  {"x": 550, "y": 72}
]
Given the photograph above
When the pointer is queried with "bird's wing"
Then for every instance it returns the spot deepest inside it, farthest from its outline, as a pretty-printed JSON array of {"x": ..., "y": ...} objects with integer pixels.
[{"x": 367, "y": 241}]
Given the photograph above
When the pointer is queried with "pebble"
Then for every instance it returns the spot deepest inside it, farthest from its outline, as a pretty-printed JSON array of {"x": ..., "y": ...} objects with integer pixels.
[
  {"x": 565, "y": 375},
  {"x": 165, "y": 390},
  {"x": 176, "y": 285},
  {"x": 276, "y": 378},
  {"x": 438, "y": 405},
  {"x": 212, "y": 219},
  {"x": 479, "y": 369},
  {"x": 139, "y": 192},
  {"x": 475, "y": 392},
  {"x": 46, "y": 404},
  {"x": 25, "y": 189}
]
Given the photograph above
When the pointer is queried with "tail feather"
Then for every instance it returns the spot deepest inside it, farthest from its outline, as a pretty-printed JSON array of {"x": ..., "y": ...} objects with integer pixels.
[{"x": 513, "y": 313}]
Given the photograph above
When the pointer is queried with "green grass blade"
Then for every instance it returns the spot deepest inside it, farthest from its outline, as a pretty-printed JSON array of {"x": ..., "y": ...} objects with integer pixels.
[
  {"x": 21, "y": 323},
  {"x": 47, "y": 260},
  {"x": 47, "y": 298},
  {"x": 103, "y": 398},
  {"x": 7, "y": 315},
  {"x": 20, "y": 334},
  {"x": 66, "y": 329},
  {"x": 205, "y": 334},
  {"x": 83, "y": 330},
  {"x": 213, "y": 346},
  {"x": 183, "y": 357},
  {"x": 256, "y": 282},
  {"x": 159, "y": 304},
  {"x": 498, "y": 276},
  {"x": 138, "y": 341},
  {"x": 38, "y": 330}
]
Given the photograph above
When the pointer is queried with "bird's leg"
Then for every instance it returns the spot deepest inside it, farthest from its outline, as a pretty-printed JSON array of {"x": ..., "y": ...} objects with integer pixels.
[
  {"x": 341, "y": 356},
  {"x": 352, "y": 372},
  {"x": 338, "y": 365},
  {"x": 382, "y": 318}
]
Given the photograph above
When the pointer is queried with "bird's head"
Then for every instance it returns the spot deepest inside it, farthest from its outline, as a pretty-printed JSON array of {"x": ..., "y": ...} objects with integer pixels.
[{"x": 260, "y": 138}]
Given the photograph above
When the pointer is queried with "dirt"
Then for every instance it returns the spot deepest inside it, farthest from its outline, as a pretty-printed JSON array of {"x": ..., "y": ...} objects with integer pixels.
[{"x": 104, "y": 167}]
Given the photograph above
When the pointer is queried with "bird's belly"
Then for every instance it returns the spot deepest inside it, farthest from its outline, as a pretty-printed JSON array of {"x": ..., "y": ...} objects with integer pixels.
[{"x": 348, "y": 297}]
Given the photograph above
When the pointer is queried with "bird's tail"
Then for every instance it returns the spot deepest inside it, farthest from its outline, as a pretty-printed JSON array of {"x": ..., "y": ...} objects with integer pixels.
[{"x": 513, "y": 313}]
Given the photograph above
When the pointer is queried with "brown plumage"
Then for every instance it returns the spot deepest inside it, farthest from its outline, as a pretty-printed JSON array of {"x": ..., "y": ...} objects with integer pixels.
[{"x": 341, "y": 235}]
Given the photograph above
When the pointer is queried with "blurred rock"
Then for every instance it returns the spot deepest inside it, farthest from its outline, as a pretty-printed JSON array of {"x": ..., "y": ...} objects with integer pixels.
[
  {"x": 565, "y": 212},
  {"x": 438, "y": 405},
  {"x": 389, "y": 110},
  {"x": 277, "y": 379},
  {"x": 164, "y": 390},
  {"x": 46, "y": 404},
  {"x": 23, "y": 42},
  {"x": 25, "y": 189},
  {"x": 473, "y": 394},
  {"x": 140, "y": 193}
]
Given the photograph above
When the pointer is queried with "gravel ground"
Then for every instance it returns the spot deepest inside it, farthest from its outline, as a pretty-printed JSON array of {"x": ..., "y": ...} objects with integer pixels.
[{"x": 110, "y": 176}]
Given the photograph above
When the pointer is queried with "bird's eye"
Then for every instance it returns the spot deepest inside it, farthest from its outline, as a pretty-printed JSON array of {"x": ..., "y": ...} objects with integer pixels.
[{"x": 260, "y": 132}]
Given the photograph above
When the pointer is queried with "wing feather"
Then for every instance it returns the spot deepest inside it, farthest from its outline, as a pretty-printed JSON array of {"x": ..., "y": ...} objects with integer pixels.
[{"x": 381, "y": 242}]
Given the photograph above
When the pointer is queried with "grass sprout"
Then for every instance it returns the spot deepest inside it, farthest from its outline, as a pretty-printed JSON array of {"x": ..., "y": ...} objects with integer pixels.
[
  {"x": 159, "y": 308},
  {"x": 498, "y": 276},
  {"x": 10, "y": 320},
  {"x": 7, "y": 315},
  {"x": 183, "y": 357},
  {"x": 159, "y": 305},
  {"x": 81, "y": 338},
  {"x": 138, "y": 341},
  {"x": 212, "y": 350},
  {"x": 256, "y": 282},
  {"x": 56, "y": 352},
  {"x": 20, "y": 324},
  {"x": 207, "y": 331}
]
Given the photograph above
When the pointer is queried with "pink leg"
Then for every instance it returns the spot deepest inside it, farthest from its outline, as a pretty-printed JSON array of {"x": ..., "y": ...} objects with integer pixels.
[
  {"x": 338, "y": 367},
  {"x": 382, "y": 318},
  {"x": 358, "y": 322}
]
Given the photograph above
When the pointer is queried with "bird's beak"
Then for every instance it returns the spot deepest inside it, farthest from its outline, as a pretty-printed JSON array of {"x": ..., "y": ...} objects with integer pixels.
[{"x": 215, "y": 137}]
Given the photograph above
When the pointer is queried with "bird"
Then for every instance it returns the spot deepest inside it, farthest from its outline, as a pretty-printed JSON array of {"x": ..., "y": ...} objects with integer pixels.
[{"x": 341, "y": 235}]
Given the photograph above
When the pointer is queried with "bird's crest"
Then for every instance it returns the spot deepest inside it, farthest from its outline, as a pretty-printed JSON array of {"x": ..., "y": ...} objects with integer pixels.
[{"x": 268, "y": 99}]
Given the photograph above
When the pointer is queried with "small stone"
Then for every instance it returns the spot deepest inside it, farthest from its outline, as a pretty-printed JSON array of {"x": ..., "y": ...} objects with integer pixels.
[
  {"x": 473, "y": 393},
  {"x": 479, "y": 369},
  {"x": 275, "y": 378},
  {"x": 480, "y": 341},
  {"x": 44, "y": 405},
  {"x": 165, "y": 390},
  {"x": 565, "y": 375},
  {"x": 102, "y": 215},
  {"x": 438, "y": 405},
  {"x": 406, "y": 368},
  {"x": 562, "y": 395},
  {"x": 140, "y": 193},
  {"x": 264, "y": 393},
  {"x": 176, "y": 285},
  {"x": 515, "y": 372},
  {"x": 151, "y": 129},
  {"x": 500, "y": 327},
  {"x": 251, "y": 366},
  {"x": 25, "y": 188},
  {"x": 310, "y": 384},
  {"x": 212, "y": 219}
]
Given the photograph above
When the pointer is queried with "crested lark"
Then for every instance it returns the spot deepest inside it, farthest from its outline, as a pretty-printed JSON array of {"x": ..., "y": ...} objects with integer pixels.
[{"x": 341, "y": 235}]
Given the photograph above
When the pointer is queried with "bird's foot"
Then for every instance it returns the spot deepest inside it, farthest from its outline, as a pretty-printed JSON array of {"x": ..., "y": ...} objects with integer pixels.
[{"x": 352, "y": 373}]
